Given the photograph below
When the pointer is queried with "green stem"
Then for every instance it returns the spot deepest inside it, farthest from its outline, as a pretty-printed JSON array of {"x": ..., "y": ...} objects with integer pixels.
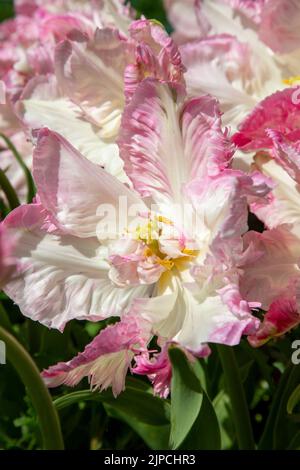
[
  {"x": 41, "y": 398},
  {"x": 9, "y": 191},
  {"x": 236, "y": 393},
  {"x": 28, "y": 176}
]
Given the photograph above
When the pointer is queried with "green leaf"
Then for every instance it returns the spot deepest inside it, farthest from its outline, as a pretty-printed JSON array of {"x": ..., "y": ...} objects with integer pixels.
[
  {"x": 223, "y": 411},
  {"x": 31, "y": 190},
  {"x": 134, "y": 402},
  {"x": 156, "y": 437},
  {"x": 295, "y": 442},
  {"x": 205, "y": 433},
  {"x": 293, "y": 400},
  {"x": 186, "y": 396}
]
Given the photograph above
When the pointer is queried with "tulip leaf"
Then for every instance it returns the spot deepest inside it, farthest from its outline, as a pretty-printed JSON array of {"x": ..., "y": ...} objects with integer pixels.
[
  {"x": 186, "y": 396},
  {"x": 293, "y": 400},
  {"x": 134, "y": 402}
]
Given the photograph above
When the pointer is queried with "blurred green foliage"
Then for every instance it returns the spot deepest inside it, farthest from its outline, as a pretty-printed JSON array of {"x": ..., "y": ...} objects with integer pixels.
[{"x": 6, "y": 9}]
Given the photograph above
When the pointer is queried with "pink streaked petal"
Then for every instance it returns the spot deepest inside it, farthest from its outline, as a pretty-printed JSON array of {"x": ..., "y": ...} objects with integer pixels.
[
  {"x": 211, "y": 320},
  {"x": 249, "y": 8},
  {"x": 62, "y": 175},
  {"x": 279, "y": 27},
  {"x": 165, "y": 143},
  {"x": 282, "y": 316},
  {"x": 158, "y": 369},
  {"x": 282, "y": 205},
  {"x": 105, "y": 361},
  {"x": 221, "y": 65},
  {"x": 286, "y": 153},
  {"x": 279, "y": 112},
  {"x": 222, "y": 202},
  {"x": 8, "y": 262},
  {"x": 156, "y": 55},
  {"x": 274, "y": 269},
  {"x": 60, "y": 26},
  {"x": 80, "y": 66},
  {"x": 61, "y": 277},
  {"x": 187, "y": 22}
]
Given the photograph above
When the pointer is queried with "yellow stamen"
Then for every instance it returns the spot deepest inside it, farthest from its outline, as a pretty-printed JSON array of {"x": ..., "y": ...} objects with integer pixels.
[
  {"x": 168, "y": 264},
  {"x": 292, "y": 80},
  {"x": 164, "y": 220}
]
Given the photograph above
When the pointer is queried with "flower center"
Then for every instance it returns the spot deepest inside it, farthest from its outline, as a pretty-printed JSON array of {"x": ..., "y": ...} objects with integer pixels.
[{"x": 162, "y": 244}]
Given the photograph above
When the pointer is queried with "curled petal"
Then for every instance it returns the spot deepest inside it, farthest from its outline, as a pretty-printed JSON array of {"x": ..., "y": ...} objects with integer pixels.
[
  {"x": 282, "y": 316},
  {"x": 105, "y": 361}
]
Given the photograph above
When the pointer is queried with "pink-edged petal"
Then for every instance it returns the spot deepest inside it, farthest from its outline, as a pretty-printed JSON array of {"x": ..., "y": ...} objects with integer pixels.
[
  {"x": 61, "y": 26},
  {"x": 43, "y": 105},
  {"x": 275, "y": 267},
  {"x": 62, "y": 176},
  {"x": 156, "y": 55},
  {"x": 105, "y": 361},
  {"x": 286, "y": 153},
  {"x": 249, "y": 8},
  {"x": 165, "y": 143},
  {"x": 221, "y": 203},
  {"x": 222, "y": 66},
  {"x": 278, "y": 112},
  {"x": 8, "y": 262},
  {"x": 279, "y": 27},
  {"x": 183, "y": 18},
  {"x": 158, "y": 369},
  {"x": 61, "y": 277},
  {"x": 214, "y": 320},
  {"x": 282, "y": 205},
  {"x": 195, "y": 19},
  {"x": 282, "y": 316},
  {"x": 81, "y": 66}
]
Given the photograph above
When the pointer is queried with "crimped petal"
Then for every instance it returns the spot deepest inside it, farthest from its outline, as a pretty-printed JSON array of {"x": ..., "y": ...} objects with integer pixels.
[
  {"x": 81, "y": 66},
  {"x": 43, "y": 105},
  {"x": 282, "y": 316},
  {"x": 72, "y": 188},
  {"x": 221, "y": 203},
  {"x": 275, "y": 267},
  {"x": 105, "y": 361},
  {"x": 222, "y": 66},
  {"x": 61, "y": 277},
  {"x": 280, "y": 112},
  {"x": 282, "y": 205},
  {"x": 156, "y": 55},
  {"x": 166, "y": 143}
]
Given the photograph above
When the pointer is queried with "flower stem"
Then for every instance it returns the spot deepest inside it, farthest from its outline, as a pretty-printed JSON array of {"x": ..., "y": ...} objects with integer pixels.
[
  {"x": 41, "y": 398},
  {"x": 237, "y": 396},
  {"x": 9, "y": 191}
]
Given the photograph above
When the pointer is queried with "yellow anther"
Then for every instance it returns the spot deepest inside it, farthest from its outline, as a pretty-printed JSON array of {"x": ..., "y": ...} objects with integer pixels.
[
  {"x": 188, "y": 252},
  {"x": 168, "y": 264},
  {"x": 164, "y": 220},
  {"x": 292, "y": 80}
]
